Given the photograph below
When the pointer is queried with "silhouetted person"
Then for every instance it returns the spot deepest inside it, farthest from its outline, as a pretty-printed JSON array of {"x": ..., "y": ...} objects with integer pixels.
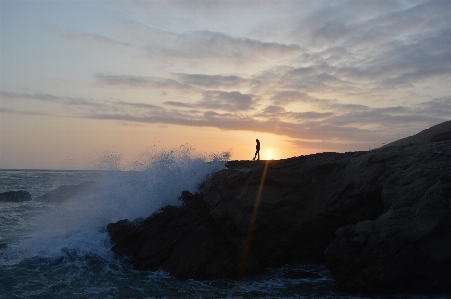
[{"x": 257, "y": 152}]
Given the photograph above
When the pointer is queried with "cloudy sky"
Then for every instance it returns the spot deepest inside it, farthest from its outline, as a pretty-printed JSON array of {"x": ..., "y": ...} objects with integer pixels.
[{"x": 82, "y": 79}]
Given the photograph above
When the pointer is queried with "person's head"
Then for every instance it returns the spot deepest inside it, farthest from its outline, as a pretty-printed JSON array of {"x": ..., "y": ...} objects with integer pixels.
[{"x": 256, "y": 140}]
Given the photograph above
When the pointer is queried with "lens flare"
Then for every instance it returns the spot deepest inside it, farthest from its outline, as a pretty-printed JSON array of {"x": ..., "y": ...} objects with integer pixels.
[{"x": 250, "y": 230}]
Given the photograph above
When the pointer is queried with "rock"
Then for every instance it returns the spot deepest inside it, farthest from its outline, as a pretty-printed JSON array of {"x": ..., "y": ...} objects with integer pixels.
[
  {"x": 428, "y": 135},
  {"x": 180, "y": 240},
  {"x": 383, "y": 216},
  {"x": 65, "y": 192},
  {"x": 408, "y": 248},
  {"x": 15, "y": 196},
  {"x": 294, "y": 222},
  {"x": 441, "y": 137}
]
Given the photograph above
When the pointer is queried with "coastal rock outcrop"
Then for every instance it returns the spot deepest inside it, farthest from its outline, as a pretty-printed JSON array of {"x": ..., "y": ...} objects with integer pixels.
[
  {"x": 15, "y": 196},
  {"x": 383, "y": 216},
  {"x": 409, "y": 246},
  {"x": 181, "y": 240}
]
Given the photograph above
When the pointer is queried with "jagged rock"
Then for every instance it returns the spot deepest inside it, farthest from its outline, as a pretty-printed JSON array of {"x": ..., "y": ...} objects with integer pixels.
[
  {"x": 408, "y": 248},
  {"x": 180, "y": 240},
  {"x": 65, "y": 192},
  {"x": 15, "y": 196},
  {"x": 382, "y": 215}
]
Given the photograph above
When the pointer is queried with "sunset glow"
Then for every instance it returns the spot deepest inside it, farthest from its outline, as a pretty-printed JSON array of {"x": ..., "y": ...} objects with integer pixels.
[{"x": 81, "y": 78}]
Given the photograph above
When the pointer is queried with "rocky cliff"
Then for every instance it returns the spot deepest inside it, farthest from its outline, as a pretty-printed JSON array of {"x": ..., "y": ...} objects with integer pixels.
[{"x": 380, "y": 220}]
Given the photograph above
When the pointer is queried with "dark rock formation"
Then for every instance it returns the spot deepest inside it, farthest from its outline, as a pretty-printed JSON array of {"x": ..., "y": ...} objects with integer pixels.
[
  {"x": 181, "y": 240},
  {"x": 384, "y": 217},
  {"x": 409, "y": 246},
  {"x": 15, "y": 196},
  {"x": 424, "y": 136},
  {"x": 65, "y": 192},
  {"x": 441, "y": 137}
]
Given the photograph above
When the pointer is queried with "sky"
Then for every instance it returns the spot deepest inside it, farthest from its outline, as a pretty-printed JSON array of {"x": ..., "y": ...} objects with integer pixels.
[{"x": 89, "y": 81}]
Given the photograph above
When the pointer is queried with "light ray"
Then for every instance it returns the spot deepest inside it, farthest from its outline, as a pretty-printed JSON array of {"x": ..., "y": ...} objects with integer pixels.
[{"x": 250, "y": 230}]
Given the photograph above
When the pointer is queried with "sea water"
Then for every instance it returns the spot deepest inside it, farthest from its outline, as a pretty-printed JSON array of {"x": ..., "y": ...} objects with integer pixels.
[{"x": 59, "y": 249}]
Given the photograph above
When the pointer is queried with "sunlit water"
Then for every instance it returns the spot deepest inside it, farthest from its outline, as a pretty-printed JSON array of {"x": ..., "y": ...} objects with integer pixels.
[{"x": 60, "y": 249}]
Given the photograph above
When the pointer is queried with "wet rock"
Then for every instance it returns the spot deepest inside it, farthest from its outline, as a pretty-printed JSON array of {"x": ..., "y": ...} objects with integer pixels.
[
  {"x": 181, "y": 240},
  {"x": 15, "y": 196},
  {"x": 383, "y": 215}
]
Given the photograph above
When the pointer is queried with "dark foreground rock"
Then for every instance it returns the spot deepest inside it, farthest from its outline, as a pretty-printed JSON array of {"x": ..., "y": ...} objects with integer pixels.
[
  {"x": 409, "y": 246},
  {"x": 15, "y": 196},
  {"x": 441, "y": 137},
  {"x": 181, "y": 240},
  {"x": 384, "y": 217}
]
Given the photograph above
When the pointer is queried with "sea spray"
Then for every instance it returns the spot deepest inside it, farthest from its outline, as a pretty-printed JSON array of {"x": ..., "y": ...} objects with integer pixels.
[{"x": 77, "y": 224}]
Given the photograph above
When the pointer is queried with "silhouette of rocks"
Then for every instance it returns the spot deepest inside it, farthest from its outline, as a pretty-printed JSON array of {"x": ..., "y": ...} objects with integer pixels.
[
  {"x": 441, "y": 137},
  {"x": 15, "y": 196},
  {"x": 384, "y": 217},
  {"x": 65, "y": 192},
  {"x": 180, "y": 240},
  {"x": 407, "y": 248},
  {"x": 424, "y": 136}
]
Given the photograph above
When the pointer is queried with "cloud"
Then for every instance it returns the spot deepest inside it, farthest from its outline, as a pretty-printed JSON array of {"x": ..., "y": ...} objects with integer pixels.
[
  {"x": 84, "y": 37},
  {"x": 333, "y": 121},
  {"x": 63, "y": 100},
  {"x": 214, "y": 81},
  {"x": 345, "y": 124},
  {"x": 16, "y": 111},
  {"x": 397, "y": 66},
  {"x": 229, "y": 101},
  {"x": 440, "y": 107},
  {"x": 278, "y": 112},
  {"x": 29, "y": 96},
  {"x": 208, "y": 45},
  {"x": 290, "y": 96},
  {"x": 133, "y": 81},
  {"x": 354, "y": 50},
  {"x": 178, "y": 104},
  {"x": 233, "y": 121},
  {"x": 410, "y": 63}
]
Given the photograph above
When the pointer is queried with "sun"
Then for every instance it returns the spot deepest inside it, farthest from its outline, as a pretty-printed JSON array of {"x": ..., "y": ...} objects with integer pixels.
[{"x": 269, "y": 155}]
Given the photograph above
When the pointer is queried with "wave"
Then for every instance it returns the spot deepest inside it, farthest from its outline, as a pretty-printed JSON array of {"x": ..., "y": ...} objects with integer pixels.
[{"x": 77, "y": 223}]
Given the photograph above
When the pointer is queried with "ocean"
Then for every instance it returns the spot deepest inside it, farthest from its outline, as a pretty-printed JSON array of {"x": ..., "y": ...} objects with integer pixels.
[{"x": 59, "y": 249}]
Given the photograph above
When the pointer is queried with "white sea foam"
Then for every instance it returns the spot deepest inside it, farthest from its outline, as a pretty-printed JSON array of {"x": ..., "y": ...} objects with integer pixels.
[{"x": 77, "y": 224}]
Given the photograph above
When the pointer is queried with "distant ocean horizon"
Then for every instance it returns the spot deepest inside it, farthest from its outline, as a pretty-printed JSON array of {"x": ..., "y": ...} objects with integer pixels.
[{"x": 59, "y": 249}]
